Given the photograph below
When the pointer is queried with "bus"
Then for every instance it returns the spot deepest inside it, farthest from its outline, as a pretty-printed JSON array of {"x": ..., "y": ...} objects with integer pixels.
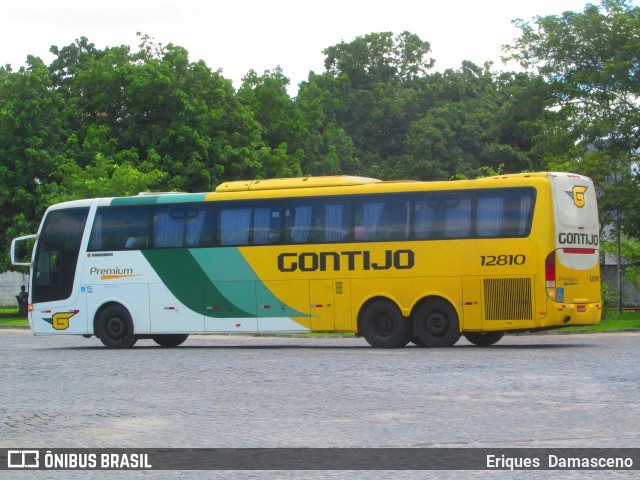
[{"x": 395, "y": 262}]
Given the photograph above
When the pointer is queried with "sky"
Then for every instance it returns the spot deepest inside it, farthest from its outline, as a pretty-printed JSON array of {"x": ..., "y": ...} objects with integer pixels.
[{"x": 239, "y": 35}]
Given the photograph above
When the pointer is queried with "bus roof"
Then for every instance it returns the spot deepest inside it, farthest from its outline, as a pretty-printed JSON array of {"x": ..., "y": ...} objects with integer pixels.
[
  {"x": 301, "y": 182},
  {"x": 306, "y": 186}
]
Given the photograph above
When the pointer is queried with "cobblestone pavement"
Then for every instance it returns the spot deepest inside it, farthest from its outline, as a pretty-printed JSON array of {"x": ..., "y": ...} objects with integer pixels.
[{"x": 242, "y": 391}]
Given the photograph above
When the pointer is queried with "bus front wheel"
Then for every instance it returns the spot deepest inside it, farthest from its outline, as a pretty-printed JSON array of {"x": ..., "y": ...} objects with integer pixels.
[
  {"x": 436, "y": 324},
  {"x": 114, "y": 327},
  {"x": 171, "y": 340},
  {"x": 383, "y": 325},
  {"x": 483, "y": 339}
]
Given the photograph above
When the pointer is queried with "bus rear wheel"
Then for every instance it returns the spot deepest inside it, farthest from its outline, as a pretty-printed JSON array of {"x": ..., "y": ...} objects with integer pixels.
[
  {"x": 383, "y": 326},
  {"x": 483, "y": 339},
  {"x": 171, "y": 340},
  {"x": 114, "y": 327},
  {"x": 436, "y": 324}
]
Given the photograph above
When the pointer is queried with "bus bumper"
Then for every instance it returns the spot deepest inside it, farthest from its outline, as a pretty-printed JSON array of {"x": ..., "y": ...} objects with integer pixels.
[{"x": 571, "y": 314}]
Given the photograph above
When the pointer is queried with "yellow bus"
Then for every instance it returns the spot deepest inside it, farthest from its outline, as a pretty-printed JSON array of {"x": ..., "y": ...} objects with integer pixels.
[{"x": 394, "y": 262}]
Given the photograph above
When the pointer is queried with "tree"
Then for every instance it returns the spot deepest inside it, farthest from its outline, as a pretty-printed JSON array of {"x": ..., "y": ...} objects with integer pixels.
[
  {"x": 366, "y": 92},
  {"x": 33, "y": 128},
  {"x": 266, "y": 96},
  {"x": 591, "y": 60},
  {"x": 406, "y": 123},
  {"x": 183, "y": 115},
  {"x": 476, "y": 122},
  {"x": 283, "y": 129},
  {"x": 379, "y": 57},
  {"x": 328, "y": 148}
]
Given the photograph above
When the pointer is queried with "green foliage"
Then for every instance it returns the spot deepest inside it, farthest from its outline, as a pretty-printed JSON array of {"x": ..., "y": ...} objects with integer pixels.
[
  {"x": 629, "y": 253},
  {"x": 379, "y": 58},
  {"x": 612, "y": 322},
  {"x": 592, "y": 60}
]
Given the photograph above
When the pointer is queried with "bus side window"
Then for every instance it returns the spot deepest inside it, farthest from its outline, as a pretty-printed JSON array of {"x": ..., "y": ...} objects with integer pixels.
[
  {"x": 394, "y": 221},
  {"x": 235, "y": 226},
  {"x": 298, "y": 223},
  {"x": 182, "y": 226},
  {"x": 504, "y": 213},
  {"x": 382, "y": 218},
  {"x": 248, "y": 225},
  {"x": 520, "y": 212},
  {"x": 490, "y": 215},
  {"x": 317, "y": 222},
  {"x": 424, "y": 222},
  {"x": 368, "y": 215},
  {"x": 120, "y": 228},
  {"x": 266, "y": 225},
  {"x": 336, "y": 222},
  {"x": 444, "y": 215}
]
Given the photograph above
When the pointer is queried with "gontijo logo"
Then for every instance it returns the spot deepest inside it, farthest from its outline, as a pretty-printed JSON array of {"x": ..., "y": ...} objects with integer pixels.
[
  {"x": 60, "y": 320},
  {"x": 577, "y": 194}
]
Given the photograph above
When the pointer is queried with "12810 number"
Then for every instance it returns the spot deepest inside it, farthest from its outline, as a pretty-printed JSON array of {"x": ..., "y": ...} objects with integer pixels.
[{"x": 502, "y": 260}]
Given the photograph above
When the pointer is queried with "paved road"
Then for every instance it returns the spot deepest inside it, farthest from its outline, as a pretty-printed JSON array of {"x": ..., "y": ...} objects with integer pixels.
[{"x": 235, "y": 391}]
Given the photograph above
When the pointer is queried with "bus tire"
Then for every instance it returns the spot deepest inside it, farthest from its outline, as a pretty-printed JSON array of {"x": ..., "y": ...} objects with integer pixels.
[
  {"x": 483, "y": 339},
  {"x": 114, "y": 327},
  {"x": 383, "y": 325},
  {"x": 436, "y": 324},
  {"x": 171, "y": 340}
]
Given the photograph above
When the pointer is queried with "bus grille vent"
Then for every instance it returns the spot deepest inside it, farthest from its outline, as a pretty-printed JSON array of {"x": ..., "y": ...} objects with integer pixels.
[{"x": 507, "y": 299}]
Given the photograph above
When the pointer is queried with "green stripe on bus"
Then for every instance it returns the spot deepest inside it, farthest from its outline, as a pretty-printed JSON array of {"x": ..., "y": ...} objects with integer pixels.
[
  {"x": 159, "y": 199},
  {"x": 216, "y": 283},
  {"x": 233, "y": 276},
  {"x": 186, "y": 280}
]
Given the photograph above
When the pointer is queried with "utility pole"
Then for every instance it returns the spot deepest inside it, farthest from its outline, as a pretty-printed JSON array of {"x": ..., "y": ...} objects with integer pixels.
[{"x": 619, "y": 269}]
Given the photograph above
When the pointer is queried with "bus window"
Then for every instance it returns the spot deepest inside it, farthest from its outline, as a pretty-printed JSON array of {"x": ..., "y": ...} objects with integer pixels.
[
  {"x": 120, "y": 228},
  {"x": 266, "y": 225},
  {"x": 504, "y": 213},
  {"x": 250, "y": 226},
  {"x": 182, "y": 226},
  {"x": 443, "y": 215},
  {"x": 336, "y": 222},
  {"x": 394, "y": 221},
  {"x": 234, "y": 226},
  {"x": 317, "y": 222},
  {"x": 382, "y": 218}
]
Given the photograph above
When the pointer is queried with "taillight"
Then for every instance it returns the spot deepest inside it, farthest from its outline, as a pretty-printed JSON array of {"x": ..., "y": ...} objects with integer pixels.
[{"x": 550, "y": 275}]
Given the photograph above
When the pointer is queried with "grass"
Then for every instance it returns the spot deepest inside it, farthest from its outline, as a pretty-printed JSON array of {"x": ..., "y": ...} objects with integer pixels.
[
  {"x": 9, "y": 318},
  {"x": 614, "y": 322}
]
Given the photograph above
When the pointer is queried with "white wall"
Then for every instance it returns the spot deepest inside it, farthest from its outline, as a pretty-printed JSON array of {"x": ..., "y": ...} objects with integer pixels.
[{"x": 10, "y": 287}]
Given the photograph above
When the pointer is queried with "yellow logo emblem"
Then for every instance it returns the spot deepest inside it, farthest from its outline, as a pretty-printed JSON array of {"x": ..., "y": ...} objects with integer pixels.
[
  {"x": 60, "y": 320},
  {"x": 577, "y": 194}
]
